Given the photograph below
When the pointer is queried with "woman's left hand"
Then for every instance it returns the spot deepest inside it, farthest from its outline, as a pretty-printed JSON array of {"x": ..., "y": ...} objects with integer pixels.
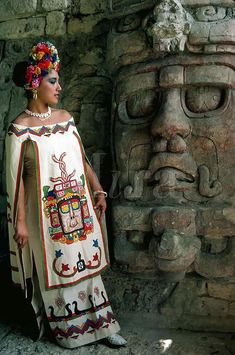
[{"x": 100, "y": 205}]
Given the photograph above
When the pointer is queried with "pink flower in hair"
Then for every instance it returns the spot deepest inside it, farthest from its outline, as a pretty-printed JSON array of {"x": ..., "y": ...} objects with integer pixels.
[{"x": 35, "y": 83}]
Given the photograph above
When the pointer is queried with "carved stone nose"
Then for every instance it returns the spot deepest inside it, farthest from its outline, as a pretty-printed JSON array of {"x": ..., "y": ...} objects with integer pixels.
[
  {"x": 174, "y": 145},
  {"x": 170, "y": 121}
]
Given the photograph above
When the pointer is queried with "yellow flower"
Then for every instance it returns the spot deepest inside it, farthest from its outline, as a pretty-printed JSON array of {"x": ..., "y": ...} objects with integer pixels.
[{"x": 37, "y": 71}]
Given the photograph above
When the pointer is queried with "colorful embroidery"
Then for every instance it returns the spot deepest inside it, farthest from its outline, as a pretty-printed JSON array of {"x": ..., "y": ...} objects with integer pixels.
[
  {"x": 88, "y": 326},
  {"x": 66, "y": 207},
  {"x": 82, "y": 295},
  {"x": 73, "y": 311},
  {"x": 41, "y": 131},
  {"x": 97, "y": 291},
  {"x": 60, "y": 302},
  {"x": 81, "y": 265}
]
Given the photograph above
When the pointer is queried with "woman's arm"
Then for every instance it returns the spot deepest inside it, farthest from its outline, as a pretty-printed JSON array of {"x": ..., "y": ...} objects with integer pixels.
[
  {"x": 21, "y": 230},
  {"x": 101, "y": 204}
]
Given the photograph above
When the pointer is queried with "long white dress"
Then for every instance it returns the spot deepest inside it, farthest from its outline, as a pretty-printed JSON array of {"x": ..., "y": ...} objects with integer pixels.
[{"x": 67, "y": 248}]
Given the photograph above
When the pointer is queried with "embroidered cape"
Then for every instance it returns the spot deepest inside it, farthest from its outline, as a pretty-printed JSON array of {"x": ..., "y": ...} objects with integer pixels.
[{"x": 67, "y": 228}]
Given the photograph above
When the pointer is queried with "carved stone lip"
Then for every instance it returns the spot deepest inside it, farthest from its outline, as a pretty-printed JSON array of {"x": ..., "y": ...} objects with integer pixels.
[
  {"x": 171, "y": 177},
  {"x": 182, "y": 162}
]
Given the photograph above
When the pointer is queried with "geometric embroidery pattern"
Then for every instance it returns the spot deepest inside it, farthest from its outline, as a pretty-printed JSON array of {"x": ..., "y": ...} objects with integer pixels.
[
  {"x": 89, "y": 326},
  {"x": 41, "y": 131}
]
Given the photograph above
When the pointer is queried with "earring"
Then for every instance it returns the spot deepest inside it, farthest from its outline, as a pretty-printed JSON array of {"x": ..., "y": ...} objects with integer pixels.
[{"x": 35, "y": 94}]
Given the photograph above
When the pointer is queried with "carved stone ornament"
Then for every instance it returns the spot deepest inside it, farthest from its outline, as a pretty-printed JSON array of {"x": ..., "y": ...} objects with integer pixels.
[{"x": 167, "y": 26}]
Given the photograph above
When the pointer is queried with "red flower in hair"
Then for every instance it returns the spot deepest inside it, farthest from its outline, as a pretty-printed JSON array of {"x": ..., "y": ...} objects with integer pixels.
[
  {"x": 29, "y": 73},
  {"x": 42, "y": 47},
  {"x": 44, "y": 64}
]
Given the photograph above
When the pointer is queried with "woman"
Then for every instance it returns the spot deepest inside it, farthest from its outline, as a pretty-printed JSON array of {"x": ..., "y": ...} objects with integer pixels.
[{"x": 56, "y": 209}]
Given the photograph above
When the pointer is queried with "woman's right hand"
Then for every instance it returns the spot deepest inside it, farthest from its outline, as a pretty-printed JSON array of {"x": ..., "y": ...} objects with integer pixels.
[{"x": 21, "y": 234}]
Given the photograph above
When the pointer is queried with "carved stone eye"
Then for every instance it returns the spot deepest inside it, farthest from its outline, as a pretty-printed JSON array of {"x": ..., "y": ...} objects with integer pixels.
[
  {"x": 143, "y": 104},
  {"x": 204, "y": 99}
]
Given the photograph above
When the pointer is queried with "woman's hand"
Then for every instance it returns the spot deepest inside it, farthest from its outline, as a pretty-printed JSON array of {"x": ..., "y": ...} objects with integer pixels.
[
  {"x": 101, "y": 204},
  {"x": 21, "y": 234}
]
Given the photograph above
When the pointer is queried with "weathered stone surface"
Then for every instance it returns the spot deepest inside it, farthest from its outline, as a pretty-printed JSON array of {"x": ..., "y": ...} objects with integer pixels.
[
  {"x": 92, "y": 6},
  {"x": 206, "y": 306},
  {"x": 55, "y": 23},
  {"x": 195, "y": 301},
  {"x": 23, "y": 28},
  {"x": 76, "y": 25},
  {"x": 175, "y": 252},
  {"x": 172, "y": 218},
  {"x": 222, "y": 290},
  {"x": 231, "y": 309},
  {"x": 168, "y": 26},
  {"x": 198, "y": 3},
  {"x": 13, "y": 9},
  {"x": 93, "y": 57},
  {"x": 125, "y": 46},
  {"x": 216, "y": 222},
  {"x": 50, "y": 5}
]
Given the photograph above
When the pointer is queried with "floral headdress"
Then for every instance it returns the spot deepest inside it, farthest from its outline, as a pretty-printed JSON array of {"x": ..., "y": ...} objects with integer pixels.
[{"x": 42, "y": 59}]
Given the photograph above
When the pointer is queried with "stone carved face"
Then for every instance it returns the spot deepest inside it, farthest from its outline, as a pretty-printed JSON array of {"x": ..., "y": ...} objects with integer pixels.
[
  {"x": 174, "y": 140},
  {"x": 176, "y": 122},
  {"x": 174, "y": 134}
]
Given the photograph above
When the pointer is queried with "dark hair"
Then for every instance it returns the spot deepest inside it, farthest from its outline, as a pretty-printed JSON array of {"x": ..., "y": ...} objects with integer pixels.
[
  {"x": 19, "y": 73},
  {"x": 18, "y": 77}
]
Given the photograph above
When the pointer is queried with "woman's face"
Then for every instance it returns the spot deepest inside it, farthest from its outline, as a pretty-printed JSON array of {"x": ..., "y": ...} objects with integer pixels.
[{"x": 49, "y": 89}]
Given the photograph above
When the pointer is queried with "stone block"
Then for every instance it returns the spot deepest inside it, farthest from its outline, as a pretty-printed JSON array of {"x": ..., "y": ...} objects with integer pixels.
[
  {"x": 197, "y": 3},
  {"x": 199, "y": 33},
  {"x": 182, "y": 219},
  {"x": 223, "y": 222},
  {"x": 221, "y": 290},
  {"x": 84, "y": 25},
  {"x": 125, "y": 7},
  {"x": 186, "y": 291},
  {"x": 209, "y": 74},
  {"x": 24, "y": 28},
  {"x": 223, "y": 32},
  {"x": 231, "y": 309},
  {"x": 92, "y": 6},
  {"x": 207, "y": 306},
  {"x": 55, "y": 23},
  {"x": 171, "y": 76},
  {"x": 5, "y": 83},
  {"x": 132, "y": 218},
  {"x": 126, "y": 44},
  {"x": 50, "y": 5},
  {"x": 93, "y": 57},
  {"x": 14, "y": 9},
  {"x": 139, "y": 81}
]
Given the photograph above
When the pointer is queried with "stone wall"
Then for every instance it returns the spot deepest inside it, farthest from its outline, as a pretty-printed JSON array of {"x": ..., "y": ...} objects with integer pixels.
[{"x": 150, "y": 85}]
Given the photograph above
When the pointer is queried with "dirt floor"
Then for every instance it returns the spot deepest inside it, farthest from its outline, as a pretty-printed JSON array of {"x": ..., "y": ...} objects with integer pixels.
[{"x": 141, "y": 341}]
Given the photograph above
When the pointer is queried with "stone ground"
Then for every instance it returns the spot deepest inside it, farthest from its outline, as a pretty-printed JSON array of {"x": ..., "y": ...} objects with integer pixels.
[{"x": 141, "y": 341}]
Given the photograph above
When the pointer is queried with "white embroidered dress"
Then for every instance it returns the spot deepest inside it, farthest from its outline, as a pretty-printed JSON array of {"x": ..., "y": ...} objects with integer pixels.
[{"x": 67, "y": 243}]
